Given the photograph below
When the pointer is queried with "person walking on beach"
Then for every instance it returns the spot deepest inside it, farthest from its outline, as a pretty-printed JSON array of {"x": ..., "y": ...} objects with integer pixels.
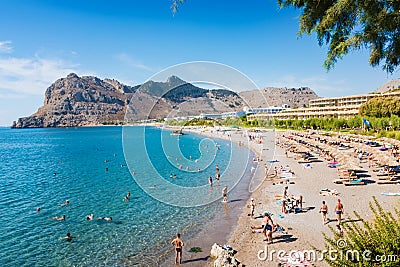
[
  {"x": 252, "y": 207},
  {"x": 285, "y": 192},
  {"x": 324, "y": 211},
  {"x": 268, "y": 228},
  {"x": 178, "y": 244},
  {"x": 224, "y": 194},
  {"x": 339, "y": 211},
  {"x": 299, "y": 202}
]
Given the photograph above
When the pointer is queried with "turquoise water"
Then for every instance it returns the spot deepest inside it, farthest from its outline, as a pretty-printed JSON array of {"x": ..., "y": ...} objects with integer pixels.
[{"x": 44, "y": 167}]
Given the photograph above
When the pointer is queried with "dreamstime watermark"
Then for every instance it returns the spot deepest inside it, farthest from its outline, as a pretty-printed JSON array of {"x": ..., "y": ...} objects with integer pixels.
[{"x": 311, "y": 255}]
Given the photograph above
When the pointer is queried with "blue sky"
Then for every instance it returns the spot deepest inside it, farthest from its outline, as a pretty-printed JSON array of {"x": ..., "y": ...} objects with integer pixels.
[{"x": 43, "y": 40}]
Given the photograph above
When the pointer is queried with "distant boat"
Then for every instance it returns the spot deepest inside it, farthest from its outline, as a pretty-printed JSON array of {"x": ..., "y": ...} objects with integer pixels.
[{"x": 177, "y": 132}]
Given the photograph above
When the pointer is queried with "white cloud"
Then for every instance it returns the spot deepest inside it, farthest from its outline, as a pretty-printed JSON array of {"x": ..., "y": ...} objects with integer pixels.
[
  {"x": 31, "y": 76},
  {"x": 131, "y": 62},
  {"x": 5, "y": 47}
]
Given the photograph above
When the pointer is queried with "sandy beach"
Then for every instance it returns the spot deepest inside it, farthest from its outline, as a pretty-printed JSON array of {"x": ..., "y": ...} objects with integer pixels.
[{"x": 303, "y": 230}]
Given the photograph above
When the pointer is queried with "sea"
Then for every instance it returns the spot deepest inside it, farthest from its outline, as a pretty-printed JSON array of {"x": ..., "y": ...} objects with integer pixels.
[{"x": 94, "y": 168}]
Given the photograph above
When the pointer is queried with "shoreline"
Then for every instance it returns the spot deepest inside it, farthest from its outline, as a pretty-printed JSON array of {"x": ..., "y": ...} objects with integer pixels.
[{"x": 212, "y": 232}]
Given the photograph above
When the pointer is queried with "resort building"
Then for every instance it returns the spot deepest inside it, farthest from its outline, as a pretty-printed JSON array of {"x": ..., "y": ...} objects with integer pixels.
[
  {"x": 327, "y": 107},
  {"x": 268, "y": 110},
  {"x": 224, "y": 115}
]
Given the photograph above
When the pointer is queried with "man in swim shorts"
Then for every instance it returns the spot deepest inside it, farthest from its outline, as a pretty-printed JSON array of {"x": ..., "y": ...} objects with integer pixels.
[
  {"x": 339, "y": 211},
  {"x": 324, "y": 211},
  {"x": 178, "y": 244}
]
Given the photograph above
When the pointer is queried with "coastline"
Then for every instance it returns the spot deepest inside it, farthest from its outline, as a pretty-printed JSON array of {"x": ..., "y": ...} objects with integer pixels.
[{"x": 217, "y": 230}]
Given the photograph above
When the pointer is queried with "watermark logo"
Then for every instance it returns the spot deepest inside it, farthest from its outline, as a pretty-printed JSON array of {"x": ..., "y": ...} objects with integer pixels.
[
  {"x": 166, "y": 94},
  {"x": 310, "y": 256}
]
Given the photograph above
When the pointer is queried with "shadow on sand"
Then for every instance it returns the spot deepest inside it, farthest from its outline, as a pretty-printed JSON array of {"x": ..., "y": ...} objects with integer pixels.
[
  {"x": 204, "y": 259},
  {"x": 286, "y": 238}
]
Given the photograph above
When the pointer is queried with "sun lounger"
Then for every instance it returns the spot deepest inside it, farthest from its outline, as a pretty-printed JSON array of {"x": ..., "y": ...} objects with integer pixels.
[
  {"x": 286, "y": 175},
  {"x": 354, "y": 182}
]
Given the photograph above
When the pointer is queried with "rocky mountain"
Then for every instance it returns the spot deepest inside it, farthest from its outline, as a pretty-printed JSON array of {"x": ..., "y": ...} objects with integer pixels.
[
  {"x": 389, "y": 86},
  {"x": 87, "y": 101},
  {"x": 270, "y": 96}
]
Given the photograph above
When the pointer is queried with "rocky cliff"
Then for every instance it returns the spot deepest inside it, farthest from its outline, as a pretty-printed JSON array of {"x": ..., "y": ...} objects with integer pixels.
[
  {"x": 87, "y": 101},
  {"x": 391, "y": 85},
  {"x": 271, "y": 96}
]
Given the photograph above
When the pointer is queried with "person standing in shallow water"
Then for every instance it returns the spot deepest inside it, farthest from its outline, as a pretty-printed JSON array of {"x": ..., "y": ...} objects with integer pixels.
[
  {"x": 178, "y": 244},
  {"x": 224, "y": 194}
]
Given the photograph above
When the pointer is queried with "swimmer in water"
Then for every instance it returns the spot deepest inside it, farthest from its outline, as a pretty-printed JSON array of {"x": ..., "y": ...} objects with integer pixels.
[
  {"x": 89, "y": 217},
  {"x": 65, "y": 203},
  {"x": 62, "y": 218},
  {"x": 128, "y": 196},
  {"x": 109, "y": 219},
  {"x": 68, "y": 237},
  {"x": 38, "y": 210}
]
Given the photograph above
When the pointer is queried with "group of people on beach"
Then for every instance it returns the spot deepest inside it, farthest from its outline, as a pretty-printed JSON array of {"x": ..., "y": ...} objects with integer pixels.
[{"x": 339, "y": 210}]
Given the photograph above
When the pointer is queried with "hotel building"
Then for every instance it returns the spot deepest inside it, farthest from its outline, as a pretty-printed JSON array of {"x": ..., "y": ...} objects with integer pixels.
[{"x": 328, "y": 107}]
